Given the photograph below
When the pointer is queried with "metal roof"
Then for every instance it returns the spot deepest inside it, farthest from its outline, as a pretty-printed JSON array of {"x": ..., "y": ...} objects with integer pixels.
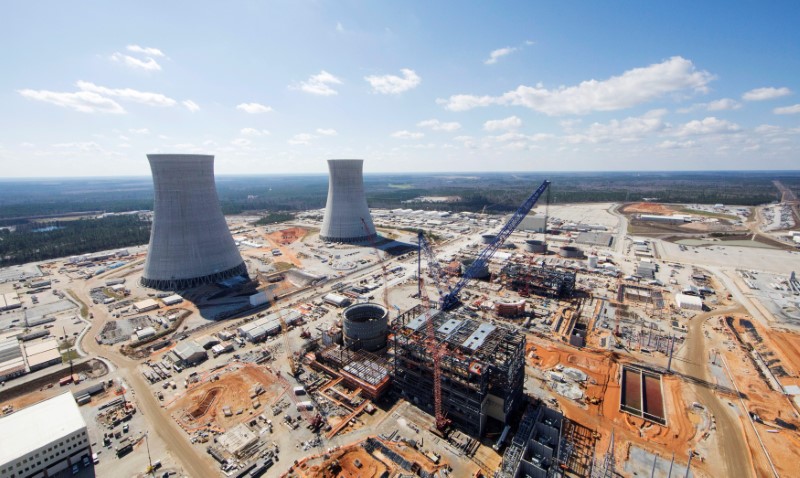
[
  {"x": 58, "y": 416},
  {"x": 479, "y": 336}
]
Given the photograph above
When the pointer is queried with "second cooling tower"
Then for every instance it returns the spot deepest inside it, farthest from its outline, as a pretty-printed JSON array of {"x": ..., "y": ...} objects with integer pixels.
[
  {"x": 190, "y": 243},
  {"x": 346, "y": 212}
]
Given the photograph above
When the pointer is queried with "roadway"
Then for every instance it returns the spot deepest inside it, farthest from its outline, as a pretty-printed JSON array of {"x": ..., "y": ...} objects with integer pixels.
[
  {"x": 693, "y": 361},
  {"x": 196, "y": 464}
]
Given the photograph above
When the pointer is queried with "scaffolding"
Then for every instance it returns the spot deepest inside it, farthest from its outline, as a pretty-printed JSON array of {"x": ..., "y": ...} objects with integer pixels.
[
  {"x": 538, "y": 280},
  {"x": 482, "y": 367}
]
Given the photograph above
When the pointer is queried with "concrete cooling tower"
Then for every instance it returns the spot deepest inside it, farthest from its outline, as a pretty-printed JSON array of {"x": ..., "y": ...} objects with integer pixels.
[
  {"x": 347, "y": 204},
  {"x": 190, "y": 243}
]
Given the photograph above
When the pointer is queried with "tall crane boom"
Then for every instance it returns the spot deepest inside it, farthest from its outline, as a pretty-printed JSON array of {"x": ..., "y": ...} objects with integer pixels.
[{"x": 450, "y": 299}]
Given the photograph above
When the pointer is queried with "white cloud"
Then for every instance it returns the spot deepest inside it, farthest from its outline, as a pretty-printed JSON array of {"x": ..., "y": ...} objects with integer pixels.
[
  {"x": 253, "y": 108},
  {"x": 624, "y": 131},
  {"x": 339, "y": 27},
  {"x": 241, "y": 142},
  {"x": 191, "y": 105},
  {"x": 319, "y": 84},
  {"x": 709, "y": 125},
  {"x": 787, "y": 110},
  {"x": 253, "y": 132},
  {"x": 139, "y": 131},
  {"x": 723, "y": 104},
  {"x": 302, "y": 138},
  {"x": 512, "y": 122},
  {"x": 143, "y": 58},
  {"x": 631, "y": 88},
  {"x": 327, "y": 131},
  {"x": 145, "y": 50},
  {"x": 768, "y": 93},
  {"x": 670, "y": 144},
  {"x": 392, "y": 84},
  {"x": 404, "y": 134},
  {"x": 129, "y": 94},
  {"x": 83, "y": 101},
  {"x": 147, "y": 64},
  {"x": 437, "y": 125},
  {"x": 499, "y": 53}
]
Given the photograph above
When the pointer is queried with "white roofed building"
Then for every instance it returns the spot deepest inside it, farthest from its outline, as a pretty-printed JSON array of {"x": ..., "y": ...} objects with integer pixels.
[{"x": 47, "y": 437}]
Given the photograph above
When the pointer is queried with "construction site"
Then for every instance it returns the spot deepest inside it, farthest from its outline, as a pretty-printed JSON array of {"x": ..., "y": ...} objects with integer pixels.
[
  {"x": 481, "y": 368},
  {"x": 542, "y": 343}
]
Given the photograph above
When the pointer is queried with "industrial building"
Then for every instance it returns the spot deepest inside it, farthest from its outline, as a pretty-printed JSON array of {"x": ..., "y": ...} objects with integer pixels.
[
  {"x": 688, "y": 302},
  {"x": 538, "y": 280},
  {"x": 188, "y": 353},
  {"x": 146, "y": 305},
  {"x": 12, "y": 359},
  {"x": 43, "y": 439},
  {"x": 533, "y": 223},
  {"x": 347, "y": 218},
  {"x": 259, "y": 329},
  {"x": 190, "y": 243},
  {"x": 482, "y": 367},
  {"x": 535, "y": 450},
  {"x": 9, "y": 301},
  {"x": 359, "y": 370}
]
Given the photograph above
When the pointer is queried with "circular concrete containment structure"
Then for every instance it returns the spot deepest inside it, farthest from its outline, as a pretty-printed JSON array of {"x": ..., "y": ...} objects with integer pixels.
[
  {"x": 536, "y": 246},
  {"x": 570, "y": 252},
  {"x": 482, "y": 273},
  {"x": 365, "y": 326},
  {"x": 190, "y": 243},
  {"x": 488, "y": 238}
]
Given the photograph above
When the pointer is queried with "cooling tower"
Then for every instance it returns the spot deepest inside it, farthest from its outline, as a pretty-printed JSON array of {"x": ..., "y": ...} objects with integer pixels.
[
  {"x": 190, "y": 244},
  {"x": 347, "y": 204}
]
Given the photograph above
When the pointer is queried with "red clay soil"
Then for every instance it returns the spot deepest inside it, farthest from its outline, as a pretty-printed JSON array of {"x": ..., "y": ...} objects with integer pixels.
[
  {"x": 603, "y": 370},
  {"x": 648, "y": 208},
  {"x": 205, "y": 402},
  {"x": 370, "y": 466}
]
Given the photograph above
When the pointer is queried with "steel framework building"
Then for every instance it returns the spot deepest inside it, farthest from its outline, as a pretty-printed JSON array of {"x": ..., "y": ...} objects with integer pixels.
[
  {"x": 347, "y": 217},
  {"x": 539, "y": 280},
  {"x": 482, "y": 367},
  {"x": 190, "y": 243}
]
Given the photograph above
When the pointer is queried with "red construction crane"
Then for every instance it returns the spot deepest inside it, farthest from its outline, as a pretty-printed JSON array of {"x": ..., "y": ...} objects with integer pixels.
[{"x": 436, "y": 353}]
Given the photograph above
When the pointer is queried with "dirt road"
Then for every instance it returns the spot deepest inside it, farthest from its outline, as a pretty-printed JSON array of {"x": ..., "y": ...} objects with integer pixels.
[
  {"x": 196, "y": 464},
  {"x": 733, "y": 450}
]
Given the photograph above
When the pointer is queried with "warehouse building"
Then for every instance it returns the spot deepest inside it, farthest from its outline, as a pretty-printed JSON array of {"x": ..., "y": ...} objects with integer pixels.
[
  {"x": 48, "y": 437},
  {"x": 9, "y": 301},
  {"x": 533, "y": 223},
  {"x": 145, "y": 305},
  {"x": 172, "y": 300},
  {"x": 12, "y": 360},
  {"x": 689, "y": 302},
  {"x": 42, "y": 354},
  {"x": 259, "y": 329},
  {"x": 188, "y": 353}
]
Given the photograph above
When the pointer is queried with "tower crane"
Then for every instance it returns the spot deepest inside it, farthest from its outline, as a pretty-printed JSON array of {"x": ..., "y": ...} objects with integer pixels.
[{"x": 450, "y": 299}]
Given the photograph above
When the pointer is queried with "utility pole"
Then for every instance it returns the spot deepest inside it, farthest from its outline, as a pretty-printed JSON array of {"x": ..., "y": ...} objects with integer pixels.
[{"x": 149, "y": 459}]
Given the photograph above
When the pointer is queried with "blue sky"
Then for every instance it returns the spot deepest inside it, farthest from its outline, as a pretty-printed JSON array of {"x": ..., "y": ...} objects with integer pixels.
[{"x": 278, "y": 87}]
